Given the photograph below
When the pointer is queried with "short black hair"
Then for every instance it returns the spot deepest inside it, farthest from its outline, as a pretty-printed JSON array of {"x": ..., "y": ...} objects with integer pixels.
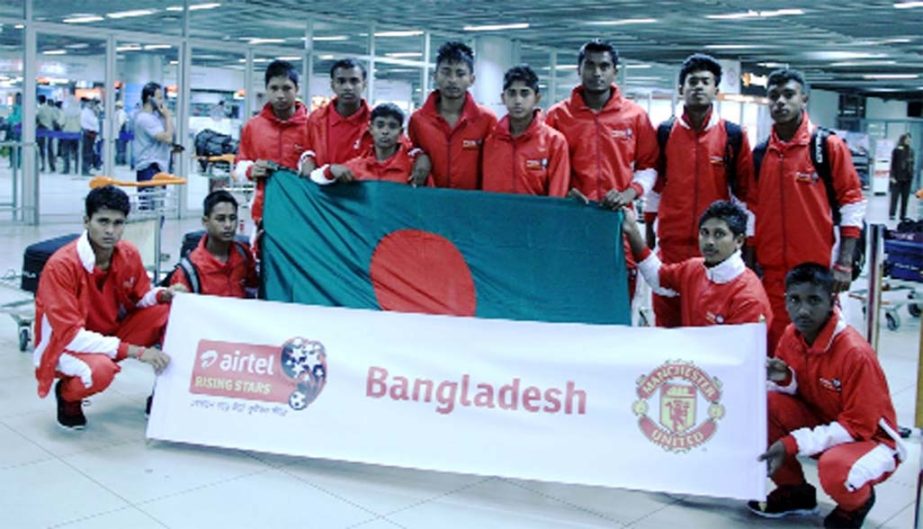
[
  {"x": 107, "y": 197},
  {"x": 813, "y": 273},
  {"x": 698, "y": 62},
  {"x": 455, "y": 51},
  {"x": 41, "y": 99},
  {"x": 348, "y": 63},
  {"x": 523, "y": 73},
  {"x": 217, "y": 197},
  {"x": 598, "y": 45},
  {"x": 278, "y": 68},
  {"x": 784, "y": 75},
  {"x": 385, "y": 110},
  {"x": 732, "y": 214},
  {"x": 149, "y": 90}
]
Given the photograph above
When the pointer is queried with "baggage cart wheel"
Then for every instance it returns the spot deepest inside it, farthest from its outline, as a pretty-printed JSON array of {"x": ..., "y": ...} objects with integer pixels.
[
  {"x": 913, "y": 308},
  {"x": 893, "y": 320},
  {"x": 24, "y": 339}
]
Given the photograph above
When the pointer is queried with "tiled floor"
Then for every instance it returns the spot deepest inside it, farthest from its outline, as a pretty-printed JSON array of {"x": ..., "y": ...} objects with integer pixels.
[{"x": 109, "y": 476}]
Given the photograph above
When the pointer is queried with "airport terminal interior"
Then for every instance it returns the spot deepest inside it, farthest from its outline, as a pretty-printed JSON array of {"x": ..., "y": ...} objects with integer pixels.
[{"x": 863, "y": 60}]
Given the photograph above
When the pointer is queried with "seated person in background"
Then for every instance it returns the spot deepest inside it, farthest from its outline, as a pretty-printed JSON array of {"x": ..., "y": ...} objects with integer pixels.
[
  {"x": 715, "y": 289},
  {"x": 388, "y": 159},
  {"x": 522, "y": 154},
  {"x": 95, "y": 307},
  {"x": 219, "y": 265},
  {"x": 828, "y": 399}
]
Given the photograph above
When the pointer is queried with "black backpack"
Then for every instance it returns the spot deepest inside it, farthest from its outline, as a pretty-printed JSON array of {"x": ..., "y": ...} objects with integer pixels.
[
  {"x": 731, "y": 149},
  {"x": 192, "y": 274},
  {"x": 820, "y": 157}
]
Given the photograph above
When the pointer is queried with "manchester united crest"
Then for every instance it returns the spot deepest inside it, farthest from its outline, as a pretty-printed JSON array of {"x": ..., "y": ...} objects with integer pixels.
[{"x": 679, "y": 388}]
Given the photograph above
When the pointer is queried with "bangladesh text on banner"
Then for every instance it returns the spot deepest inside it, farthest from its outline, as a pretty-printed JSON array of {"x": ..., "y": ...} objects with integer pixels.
[
  {"x": 380, "y": 245},
  {"x": 676, "y": 410}
]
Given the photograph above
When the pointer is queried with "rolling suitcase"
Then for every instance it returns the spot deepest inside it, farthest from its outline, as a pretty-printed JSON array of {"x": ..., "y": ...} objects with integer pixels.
[{"x": 35, "y": 257}]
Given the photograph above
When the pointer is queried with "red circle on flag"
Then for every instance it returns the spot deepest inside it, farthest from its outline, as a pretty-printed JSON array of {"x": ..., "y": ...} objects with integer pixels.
[{"x": 418, "y": 271}]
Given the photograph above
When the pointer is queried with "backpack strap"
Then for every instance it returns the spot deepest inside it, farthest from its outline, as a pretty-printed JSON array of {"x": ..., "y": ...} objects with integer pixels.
[
  {"x": 759, "y": 152},
  {"x": 192, "y": 275},
  {"x": 663, "y": 134},
  {"x": 820, "y": 157},
  {"x": 731, "y": 150}
]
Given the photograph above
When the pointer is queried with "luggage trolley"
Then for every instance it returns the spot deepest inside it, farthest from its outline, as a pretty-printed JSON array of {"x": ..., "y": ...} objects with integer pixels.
[{"x": 903, "y": 267}]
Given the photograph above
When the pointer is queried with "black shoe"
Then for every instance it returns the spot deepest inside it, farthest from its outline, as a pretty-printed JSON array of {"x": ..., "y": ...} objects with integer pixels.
[
  {"x": 788, "y": 500},
  {"x": 841, "y": 519},
  {"x": 147, "y": 407},
  {"x": 70, "y": 414}
]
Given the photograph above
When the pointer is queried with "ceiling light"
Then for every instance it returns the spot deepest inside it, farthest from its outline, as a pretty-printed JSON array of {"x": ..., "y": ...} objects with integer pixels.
[
  {"x": 291, "y": 58},
  {"x": 756, "y": 14},
  {"x": 325, "y": 57},
  {"x": 265, "y": 41},
  {"x": 772, "y": 64},
  {"x": 261, "y": 60},
  {"x": 130, "y": 47},
  {"x": 891, "y": 76},
  {"x": 195, "y": 7},
  {"x": 907, "y": 5},
  {"x": 157, "y": 46},
  {"x": 174, "y": 62},
  {"x": 842, "y": 55},
  {"x": 131, "y": 13},
  {"x": 78, "y": 46},
  {"x": 733, "y": 46},
  {"x": 404, "y": 54},
  {"x": 55, "y": 52},
  {"x": 497, "y": 27},
  {"x": 330, "y": 38},
  {"x": 622, "y": 22},
  {"x": 638, "y": 66},
  {"x": 408, "y": 33},
  {"x": 83, "y": 19},
  {"x": 861, "y": 63}
]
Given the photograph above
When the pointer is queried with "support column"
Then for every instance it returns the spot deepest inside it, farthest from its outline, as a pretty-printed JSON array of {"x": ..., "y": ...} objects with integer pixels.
[
  {"x": 181, "y": 119},
  {"x": 370, "y": 84},
  {"x": 426, "y": 75},
  {"x": 30, "y": 178},
  {"x": 110, "y": 132},
  {"x": 492, "y": 57},
  {"x": 307, "y": 64}
]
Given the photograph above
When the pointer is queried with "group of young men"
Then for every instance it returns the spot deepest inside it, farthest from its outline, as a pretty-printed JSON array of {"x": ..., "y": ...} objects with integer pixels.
[{"x": 715, "y": 212}]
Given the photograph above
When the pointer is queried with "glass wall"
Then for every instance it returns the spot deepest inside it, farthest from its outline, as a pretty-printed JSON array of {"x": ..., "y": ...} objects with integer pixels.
[{"x": 11, "y": 81}]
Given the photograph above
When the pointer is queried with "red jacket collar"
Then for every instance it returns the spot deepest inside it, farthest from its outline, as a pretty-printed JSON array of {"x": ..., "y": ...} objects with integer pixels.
[
  {"x": 802, "y": 135},
  {"x": 329, "y": 111},
  {"x": 502, "y": 129},
  {"x": 431, "y": 106},
  {"x": 614, "y": 103},
  {"x": 834, "y": 326},
  {"x": 298, "y": 118},
  {"x": 711, "y": 119}
]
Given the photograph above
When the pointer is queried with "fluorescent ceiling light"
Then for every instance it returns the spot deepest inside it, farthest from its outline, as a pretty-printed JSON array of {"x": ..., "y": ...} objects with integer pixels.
[
  {"x": 638, "y": 66},
  {"x": 261, "y": 60},
  {"x": 83, "y": 19},
  {"x": 861, "y": 63},
  {"x": 843, "y": 55},
  {"x": 404, "y": 54},
  {"x": 907, "y": 5},
  {"x": 291, "y": 58},
  {"x": 78, "y": 46},
  {"x": 733, "y": 46},
  {"x": 408, "y": 33},
  {"x": 497, "y": 27},
  {"x": 129, "y": 47},
  {"x": 772, "y": 64},
  {"x": 195, "y": 7},
  {"x": 157, "y": 46},
  {"x": 756, "y": 14},
  {"x": 55, "y": 52},
  {"x": 131, "y": 13},
  {"x": 891, "y": 76},
  {"x": 265, "y": 41},
  {"x": 622, "y": 22},
  {"x": 330, "y": 38},
  {"x": 325, "y": 57},
  {"x": 174, "y": 62}
]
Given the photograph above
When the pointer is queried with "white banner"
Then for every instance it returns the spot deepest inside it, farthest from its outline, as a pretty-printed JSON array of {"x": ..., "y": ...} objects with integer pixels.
[{"x": 674, "y": 410}]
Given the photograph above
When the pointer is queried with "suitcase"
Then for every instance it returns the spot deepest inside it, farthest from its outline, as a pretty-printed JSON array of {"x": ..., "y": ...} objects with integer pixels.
[{"x": 35, "y": 257}]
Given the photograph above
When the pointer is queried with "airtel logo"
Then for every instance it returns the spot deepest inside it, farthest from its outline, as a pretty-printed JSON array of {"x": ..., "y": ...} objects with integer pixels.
[{"x": 237, "y": 362}]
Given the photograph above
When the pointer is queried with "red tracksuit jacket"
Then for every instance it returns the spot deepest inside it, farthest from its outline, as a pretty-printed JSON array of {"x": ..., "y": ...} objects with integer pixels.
[
  {"x": 794, "y": 223},
  {"x": 534, "y": 163},
  {"x": 229, "y": 279},
  {"x": 266, "y": 137},
  {"x": 455, "y": 152},
  {"x": 728, "y": 293},
  {"x": 333, "y": 138},
  {"x": 611, "y": 149},
  {"x": 694, "y": 177},
  {"x": 71, "y": 312},
  {"x": 395, "y": 169}
]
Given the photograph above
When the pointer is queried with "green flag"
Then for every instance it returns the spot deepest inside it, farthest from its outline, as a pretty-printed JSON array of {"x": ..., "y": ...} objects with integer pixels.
[{"x": 379, "y": 245}]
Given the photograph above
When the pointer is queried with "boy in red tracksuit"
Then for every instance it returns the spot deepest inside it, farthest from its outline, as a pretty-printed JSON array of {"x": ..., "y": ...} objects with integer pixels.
[
  {"x": 277, "y": 135},
  {"x": 828, "y": 399},
  {"x": 716, "y": 288},
  {"x": 95, "y": 307},
  {"x": 219, "y": 265},
  {"x": 450, "y": 127},
  {"x": 693, "y": 173},
  {"x": 794, "y": 219},
  {"x": 389, "y": 159},
  {"x": 524, "y": 155}
]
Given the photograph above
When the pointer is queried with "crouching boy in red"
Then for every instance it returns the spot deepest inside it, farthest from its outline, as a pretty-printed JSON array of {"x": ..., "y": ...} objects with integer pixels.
[
  {"x": 716, "y": 288},
  {"x": 219, "y": 265},
  {"x": 95, "y": 307},
  {"x": 828, "y": 399},
  {"x": 389, "y": 158}
]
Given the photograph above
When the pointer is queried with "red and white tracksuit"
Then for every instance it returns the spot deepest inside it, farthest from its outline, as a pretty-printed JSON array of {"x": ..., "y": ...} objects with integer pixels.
[
  {"x": 794, "y": 222},
  {"x": 613, "y": 148},
  {"x": 727, "y": 293},
  {"x": 266, "y": 137},
  {"x": 835, "y": 406},
  {"x": 395, "y": 169},
  {"x": 694, "y": 176},
  {"x": 231, "y": 278},
  {"x": 333, "y": 138},
  {"x": 85, "y": 317},
  {"x": 455, "y": 151},
  {"x": 534, "y": 163}
]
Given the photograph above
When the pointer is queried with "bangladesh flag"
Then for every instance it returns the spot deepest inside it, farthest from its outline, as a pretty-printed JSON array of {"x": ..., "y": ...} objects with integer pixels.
[{"x": 379, "y": 245}]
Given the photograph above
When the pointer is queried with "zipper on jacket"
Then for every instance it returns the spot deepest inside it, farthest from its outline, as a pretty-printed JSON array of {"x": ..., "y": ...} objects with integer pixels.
[
  {"x": 783, "y": 210},
  {"x": 599, "y": 169}
]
